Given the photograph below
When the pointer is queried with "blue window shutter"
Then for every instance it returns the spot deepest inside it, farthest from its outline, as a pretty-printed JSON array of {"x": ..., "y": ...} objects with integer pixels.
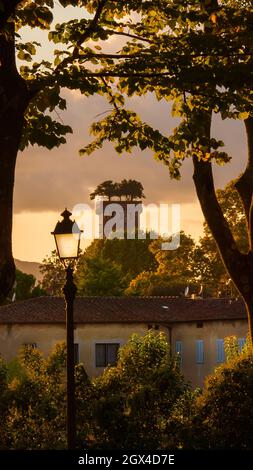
[
  {"x": 179, "y": 350},
  {"x": 179, "y": 347},
  {"x": 220, "y": 353},
  {"x": 199, "y": 351},
  {"x": 241, "y": 343}
]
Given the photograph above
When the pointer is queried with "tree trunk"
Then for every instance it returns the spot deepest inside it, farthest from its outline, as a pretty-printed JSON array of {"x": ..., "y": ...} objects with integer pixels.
[
  {"x": 13, "y": 102},
  {"x": 238, "y": 265}
]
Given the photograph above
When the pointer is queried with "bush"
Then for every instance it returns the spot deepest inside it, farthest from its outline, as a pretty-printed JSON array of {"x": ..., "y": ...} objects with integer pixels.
[
  {"x": 135, "y": 398},
  {"x": 142, "y": 402},
  {"x": 225, "y": 409}
]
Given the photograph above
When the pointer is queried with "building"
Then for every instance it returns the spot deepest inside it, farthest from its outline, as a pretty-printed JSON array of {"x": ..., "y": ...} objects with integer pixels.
[
  {"x": 195, "y": 328},
  {"x": 118, "y": 217}
]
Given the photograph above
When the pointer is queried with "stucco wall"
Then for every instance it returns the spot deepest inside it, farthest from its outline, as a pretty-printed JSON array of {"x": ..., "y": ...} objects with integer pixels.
[
  {"x": 188, "y": 333},
  {"x": 12, "y": 337}
]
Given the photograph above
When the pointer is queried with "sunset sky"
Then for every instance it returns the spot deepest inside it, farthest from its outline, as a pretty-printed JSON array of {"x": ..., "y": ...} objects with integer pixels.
[{"x": 48, "y": 181}]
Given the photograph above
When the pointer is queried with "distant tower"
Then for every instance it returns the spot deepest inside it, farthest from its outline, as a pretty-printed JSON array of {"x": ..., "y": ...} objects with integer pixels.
[
  {"x": 119, "y": 217},
  {"x": 118, "y": 206}
]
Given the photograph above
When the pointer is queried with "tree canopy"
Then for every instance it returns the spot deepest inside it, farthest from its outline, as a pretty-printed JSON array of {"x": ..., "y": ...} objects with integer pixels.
[
  {"x": 128, "y": 405},
  {"x": 31, "y": 88},
  {"x": 130, "y": 189},
  {"x": 198, "y": 55},
  {"x": 105, "y": 268},
  {"x": 146, "y": 269}
]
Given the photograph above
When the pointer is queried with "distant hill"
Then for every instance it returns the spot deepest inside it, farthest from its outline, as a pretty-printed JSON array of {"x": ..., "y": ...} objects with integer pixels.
[{"x": 29, "y": 267}]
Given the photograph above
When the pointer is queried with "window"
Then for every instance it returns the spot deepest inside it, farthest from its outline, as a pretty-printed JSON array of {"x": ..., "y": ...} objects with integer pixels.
[
  {"x": 220, "y": 353},
  {"x": 179, "y": 350},
  {"x": 76, "y": 353},
  {"x": 30, "y": 345},
  {"x": 106, "y": 354},
  {"x": 241, "y": 343},
  {"x": 199, "y": 351}
]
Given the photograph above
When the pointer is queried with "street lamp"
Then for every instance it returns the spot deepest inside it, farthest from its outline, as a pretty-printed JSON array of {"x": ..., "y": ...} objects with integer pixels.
[{"x": 67, "y": 239}]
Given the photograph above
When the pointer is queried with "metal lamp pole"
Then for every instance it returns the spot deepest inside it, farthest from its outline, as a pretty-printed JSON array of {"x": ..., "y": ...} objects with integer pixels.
[
  {"x": 67, "y": 239},
  {"x": 70, "y": 292}
]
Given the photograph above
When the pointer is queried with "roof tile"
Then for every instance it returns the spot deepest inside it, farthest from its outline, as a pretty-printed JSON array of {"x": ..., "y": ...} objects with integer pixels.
[{"x": 122, "y": 310}]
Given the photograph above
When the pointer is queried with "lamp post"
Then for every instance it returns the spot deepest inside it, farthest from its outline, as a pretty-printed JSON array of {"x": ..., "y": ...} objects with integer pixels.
[{"x": 67, "y": 239}]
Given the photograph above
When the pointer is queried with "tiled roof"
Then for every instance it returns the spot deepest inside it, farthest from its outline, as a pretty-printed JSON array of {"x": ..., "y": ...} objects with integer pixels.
[{"x": 122, "y": 310}]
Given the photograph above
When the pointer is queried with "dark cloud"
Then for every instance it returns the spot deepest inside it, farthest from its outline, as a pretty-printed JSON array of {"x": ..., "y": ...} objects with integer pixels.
[{"x": 49, "y": 180}]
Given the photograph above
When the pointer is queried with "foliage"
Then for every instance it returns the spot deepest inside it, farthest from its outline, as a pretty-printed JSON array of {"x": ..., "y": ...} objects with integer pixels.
[
  {"x": 100, "y": 277},
  {"x": 26, "y": 286},
  {"x": 131, "y": 189},
  {"x": 174, "y": 270},
  {"x": 232, "y": 348},
  {"x": 53, "y": 274},
  {"x": 33, "y": 401},
  {"x": 105, "y": 189},
  {"x": 136, "y": 396},
  {"x": 133, "y": 256},
  {"x": 141, "y": 403},
  {"x": 195, "y": 54},
  {"x": 35, "y": 415},
  {"x": 3, "y": 401},
  {"x": 127, "y": 405},
  {"x": 149, "y": 270},
  {"x": 219, "y": 416},
  {"x": 175, "y": 263},
  {"x": 114, "y": 262},
  {"x": 225, "y": 408},
  {"x": 148, "y": 284}
]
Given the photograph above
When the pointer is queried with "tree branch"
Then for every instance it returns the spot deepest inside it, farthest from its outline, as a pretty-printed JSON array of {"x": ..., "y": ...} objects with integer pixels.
[
  {"x": 132, "y": 36},
  {"x": 204, "y": 184},
  {"x": 244, "y": 183},
  {"x": 89, "y": 30}
]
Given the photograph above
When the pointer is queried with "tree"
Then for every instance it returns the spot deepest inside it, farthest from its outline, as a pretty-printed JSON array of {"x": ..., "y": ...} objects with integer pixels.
[
  {"x": 224, "y": 409},
  {"x": 135, "y": 398},
  {"x": 131, "y": 189},
  {"x": 100, "y": 277},
  {"x": 133, "y": 256},
  {"x": 115, "y": 262},
  {"x": 53, "y": 275},
  {"x": 153, "y": 284},
  {"x": 208, "y": 264},
  {"x": 197, "y": 54},
  {"x": 175, "y": 263},
  {"x": 105, "y": 189},
  {"x": 33, "y": 401},
  {"x": 30, "y": 93},
  {"x": 26, "y": 286},
  {"x": 127, "y": 406},
  {"x": 174, "y": 270}
]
